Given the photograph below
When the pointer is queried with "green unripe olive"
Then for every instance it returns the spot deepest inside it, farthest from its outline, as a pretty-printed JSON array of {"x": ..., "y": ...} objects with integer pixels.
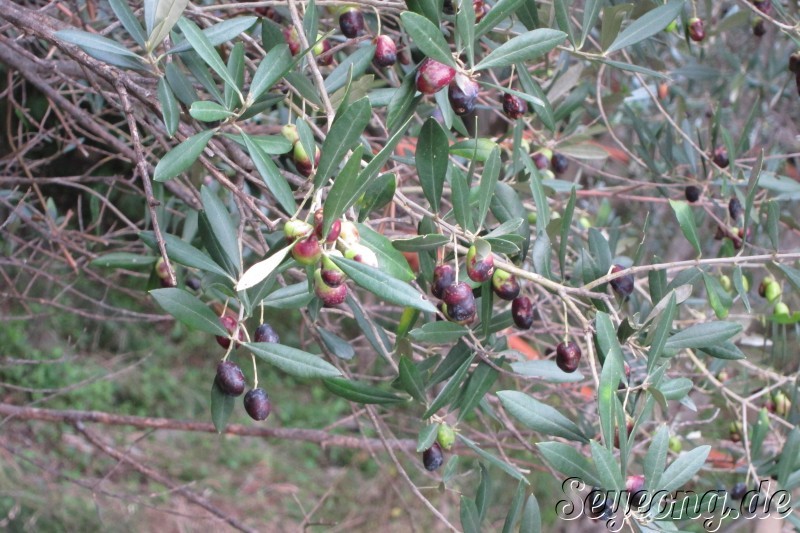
[
  {"x": 725, "y": 281},
  {"x": 781, "y": 310},
  {"x": 772, "y": 291},
  {"x": 675, "y": 445},
  {"x": 446, "y": 436}
]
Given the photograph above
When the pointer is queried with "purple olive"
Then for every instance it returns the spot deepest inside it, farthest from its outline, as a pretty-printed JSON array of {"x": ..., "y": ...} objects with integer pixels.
[
  {"x": 230, "y": 379},
  {"x": 433, "y": 76},
  {"x": 522, "y": 312},
  {"x": 622, "y": 285},
  {"x": 568, "y": 356},
  {"x": 265, "y": 333},
  {"x": 514, "y": 106},
  {"x": 463, "y": 93},
  {"x": 433, "y": 457},
  {"x": 385, "y": 51},
  {"x": 351, "y": 22},
  {"x": 257, "y": 404},
  {"x": 443, "y": 277}
]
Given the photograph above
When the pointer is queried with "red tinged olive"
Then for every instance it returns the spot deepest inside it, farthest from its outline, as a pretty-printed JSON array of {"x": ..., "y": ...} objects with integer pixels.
[
  {"x": 459, "y": 302},
  {"x": 443, "y": 277},
  {"x": 257, "y": 404},
  {"x": 321, "y": 50},
  {"x": 568, "y": 356},
  {"x": 295, "y": 229},
  {"x": 522, "y": 312},
  {"x": 330, "y": 296},
  {"x": 332, "y": 275},
  {"x": 759, "y": 27},
  {"x": 433, "y": 76},
  {"x": 462, "y": 94},
  {"x": 433, "y": 457},
  {"x": 292, "y": 39},
  {"x": 514, "y": 106},
  {"x": 333, "y": 233},
  {"x": 362, "y": 254},
  {"x": 307, "y": 251},
  {"x": 696, "y": 30},
  {"x": 229, "y": 323},
  {"x": 505, "y": 285},
  {"x": 385, "y": 51},
  {"x": 636, "y": 493},
  {"x": 479, "y": 267},
  {"x": 622, "y": 285},
  {"x": 351, "y": 22},
  {"x": 230, "y": 379},
  {"x": 302, "y": 161},
  {"x": 265, "y": 333}
]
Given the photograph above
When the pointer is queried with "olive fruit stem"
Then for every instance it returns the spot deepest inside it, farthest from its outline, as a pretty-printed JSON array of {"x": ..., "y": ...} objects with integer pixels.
[{"x": 255, "y": 372}]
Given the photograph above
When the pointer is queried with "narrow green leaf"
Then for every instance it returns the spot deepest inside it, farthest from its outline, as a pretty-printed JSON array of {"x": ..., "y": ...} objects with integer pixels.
[
  {"x": 337, "y": 345},
  {"x": 411, "y": 379},
  {"x": 512, "y": 517},
  {"x": 168, "y": 12},
  {"x": 290, "y": 297},
  {"x": 373, "y": 168},
  {"x": 390, "y": 261},
  {"x": 92, "y": 41},
  {"x": 470, "y": 521},
  {"x": 491, "y": 172},
  {"x": 220, "y": 33},
  {"x": 702, "y": 336},
  {"x": 459, "y": 353},
  {"x": 427, "y": 37},
  {"x": 181, "y": 157},
  {"x": 541, "y": 104},
  {"x": 272, "y": 177},
  {"x": 439, "y": 332},
  {"x": 525, "y": 47},
  {"x": 465, "y": 26},
  {"x": 591, "y": 10},
  {"x": 607, "y": 467},
  {"x": 481, "y": 380},
  {"x": 492, "y": 460},
  {"x": 358, "y": 61},
  {"x": 427, "y": 436},
  {"x": 724, "y": 350},
  {"x": 123, "y": 260},
  {"x": 610, "y": 375},
  {"x": 474, "y": 149},
  {"x": 270, "y": 69},
  {"x": 189, "y": 310},
  {"x": 206, "y": 111},
  {"x": 738, "y": 282},
  {"x": 343, "y": 136},
  {"x": 449, "y": 390},
  {"x": 539, "y": 416},
  {"x": 432, "y": 241},
  {"x": 684, "y": 468},
  {"x": 222, "y": 226},
  {"x": 500, "y": 11},
  {"x": 686, "y": 221},
  {"x": 383, "y": 285},
  {"x": 569, "y": 462},
  {"x": 483, "y": 494},
  {"x": 773, "y": 218},
  {"x": 431, "y": 161},
  {"x": 566, "y": 224},
  {"x": 655, "y": 461},
  {"x": 647, "y": 25},
  {"x": 662, "y": 332},
  {"x": 170, "y": 112},
  {"x": 562, "y": 18},
  {"x": 183, "y": 253},
  {"x": 531, "y": 516},
  {"x": 459, "y": 192},
  {"x": 262, "y": 270},
  {"x": 221, "y": 407},
  {"x": 346, "y": 189},
  {"x": 360, "y": 392},
  {"x": 293, "y": 361},
  {"x": 205, "y": 50},
  {"x": 546, "y": 370},
  {"x": 129, "y": 21}
]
